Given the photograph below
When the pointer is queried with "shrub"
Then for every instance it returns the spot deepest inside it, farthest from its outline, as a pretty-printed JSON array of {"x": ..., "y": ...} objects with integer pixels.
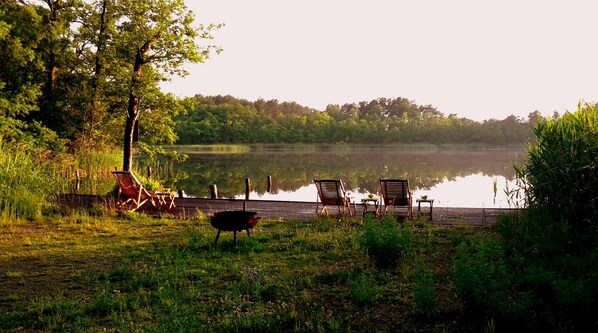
[
  {"x": 561, "y": 172},
  {"x": 385, "y": 242},
  {"x": 551, "y": 246}
]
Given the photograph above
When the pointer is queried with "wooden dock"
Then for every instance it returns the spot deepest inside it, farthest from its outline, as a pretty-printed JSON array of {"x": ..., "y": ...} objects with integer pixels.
[
  {"x": 306, "y": 211},
  {"x": 294, "y": 210}
]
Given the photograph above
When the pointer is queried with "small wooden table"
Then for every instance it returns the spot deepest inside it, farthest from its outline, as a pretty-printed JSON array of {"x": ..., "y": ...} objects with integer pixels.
[
  {"x": 366, "y": 202},
  {"x": 419, "y": 207}
]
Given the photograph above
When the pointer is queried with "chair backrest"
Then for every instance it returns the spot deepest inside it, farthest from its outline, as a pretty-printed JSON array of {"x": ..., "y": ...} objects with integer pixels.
[
  {"x": 395, "y": 192},
  {"x": 330, "y": 191},
  {"x": 129, "y": 185}
]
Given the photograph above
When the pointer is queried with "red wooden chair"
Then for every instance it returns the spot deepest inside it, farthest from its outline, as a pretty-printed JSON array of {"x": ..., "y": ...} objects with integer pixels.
[{"x": 132, "y": 195}]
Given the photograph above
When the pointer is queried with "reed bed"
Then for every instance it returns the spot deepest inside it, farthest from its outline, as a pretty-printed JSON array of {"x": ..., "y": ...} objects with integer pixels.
[{"x": 26, "y": 179}]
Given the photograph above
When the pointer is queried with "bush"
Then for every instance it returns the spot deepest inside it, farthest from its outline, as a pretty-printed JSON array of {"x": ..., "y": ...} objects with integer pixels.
[
  {"x": 561, "y": 171},
  {"x": 385, "y": 242},
  {"x": 549, "y": 250}
]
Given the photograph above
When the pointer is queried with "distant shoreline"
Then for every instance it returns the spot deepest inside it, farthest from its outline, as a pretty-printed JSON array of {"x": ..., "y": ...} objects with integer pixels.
[{"x": 240, "y": 148}]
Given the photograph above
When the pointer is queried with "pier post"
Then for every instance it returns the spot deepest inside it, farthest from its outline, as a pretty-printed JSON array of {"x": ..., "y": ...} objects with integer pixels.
[
  {"x": 269, "y": 184},
  {"x": 247, "y": 188},
  {"x": 213, "y": 191}
]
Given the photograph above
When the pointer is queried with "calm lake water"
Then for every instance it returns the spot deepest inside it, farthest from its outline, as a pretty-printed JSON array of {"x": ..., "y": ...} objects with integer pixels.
[{"x": 453, "y": 177}]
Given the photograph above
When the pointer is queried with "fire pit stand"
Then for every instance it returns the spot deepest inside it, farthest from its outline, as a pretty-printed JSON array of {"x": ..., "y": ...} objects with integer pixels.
[{"x": 233, "y": 220}]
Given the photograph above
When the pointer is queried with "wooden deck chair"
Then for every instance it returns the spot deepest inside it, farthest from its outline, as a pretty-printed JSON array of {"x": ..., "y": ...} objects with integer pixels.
[
  {"x": 397, "y": 194},
  {"x": 331, "y": 192},
  {"x": 132, "y": 195}
]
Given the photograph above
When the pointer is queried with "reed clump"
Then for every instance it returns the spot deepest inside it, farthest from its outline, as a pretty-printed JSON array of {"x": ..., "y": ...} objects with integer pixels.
[
  {"x": 540, "y": 263},
  {"x": 27, "y": 178}
]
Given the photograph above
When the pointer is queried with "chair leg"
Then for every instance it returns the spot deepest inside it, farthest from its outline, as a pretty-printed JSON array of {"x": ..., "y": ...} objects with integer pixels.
[
  {"x": 318, "y": 211},
  {"x": 347, "y": 209}
]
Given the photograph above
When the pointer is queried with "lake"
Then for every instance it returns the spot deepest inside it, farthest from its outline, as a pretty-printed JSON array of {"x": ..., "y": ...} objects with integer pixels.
[{"x": 453, "y": 177}]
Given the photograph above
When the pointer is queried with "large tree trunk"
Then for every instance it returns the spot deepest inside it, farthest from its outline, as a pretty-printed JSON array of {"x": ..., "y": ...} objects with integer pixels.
[
  {"x": 132, "y": 108},
  {"x": 95, "y": 81},
  {"x": 132, "y": 114},
  {"x": 128, "y": 138}
]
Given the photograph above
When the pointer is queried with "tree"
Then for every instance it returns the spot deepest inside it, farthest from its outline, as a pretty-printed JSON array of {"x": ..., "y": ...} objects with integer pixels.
[
  {"x": 159, "y": 35},
  {"x": 56, "y": 51},
  {"x": 20, "y": 68},
  {"x": 93, "y": 43}
]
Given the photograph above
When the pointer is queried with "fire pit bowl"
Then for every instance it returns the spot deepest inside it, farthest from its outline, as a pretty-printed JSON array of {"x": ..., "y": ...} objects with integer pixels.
[{"x": 233, "y": 220}]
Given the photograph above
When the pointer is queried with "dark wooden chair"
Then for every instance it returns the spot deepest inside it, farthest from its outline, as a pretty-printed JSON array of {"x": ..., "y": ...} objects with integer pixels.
[
  {"x": 132, "y": 195},
  {"x": 331, "y": 192},
  {"x": 397, "y": 194}
]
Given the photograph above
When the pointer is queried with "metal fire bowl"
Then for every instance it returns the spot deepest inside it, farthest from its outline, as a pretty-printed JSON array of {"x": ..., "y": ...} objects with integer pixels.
[{"x": 234, "y": 220}]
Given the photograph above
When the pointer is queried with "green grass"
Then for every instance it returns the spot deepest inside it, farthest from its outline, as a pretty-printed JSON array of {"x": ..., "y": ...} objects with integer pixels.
[{"x": 94, "y": 272}]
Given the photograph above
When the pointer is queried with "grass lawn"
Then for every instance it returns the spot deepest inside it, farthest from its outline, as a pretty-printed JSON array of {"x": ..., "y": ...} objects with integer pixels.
[{"x": 85, "y": 273}]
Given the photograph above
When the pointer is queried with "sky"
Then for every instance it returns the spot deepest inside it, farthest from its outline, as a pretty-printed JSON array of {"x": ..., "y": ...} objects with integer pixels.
[{"x": 477, "y": 59}]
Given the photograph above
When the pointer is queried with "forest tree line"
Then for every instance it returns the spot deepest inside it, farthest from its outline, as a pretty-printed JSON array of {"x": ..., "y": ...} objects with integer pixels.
[{"x": 226, "y": 119}]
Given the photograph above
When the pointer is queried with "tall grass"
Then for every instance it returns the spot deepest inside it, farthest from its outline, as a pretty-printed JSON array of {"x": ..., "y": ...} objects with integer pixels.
[
  {"x": 91, "y": 168},
  {"x": 95, "y": 169},
  {"x": 30, "y": 178},
  {"x": 562, "y": 167},
  {"x": 543, "y": 265},
  {"x": 26, "y": 180}
]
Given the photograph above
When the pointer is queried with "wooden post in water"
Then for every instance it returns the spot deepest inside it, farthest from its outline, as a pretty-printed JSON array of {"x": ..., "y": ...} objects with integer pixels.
[
  {"x": 213, "y": 191},
  {"x": 269, "y": 184},
  {"x": 247, "y": 188}
]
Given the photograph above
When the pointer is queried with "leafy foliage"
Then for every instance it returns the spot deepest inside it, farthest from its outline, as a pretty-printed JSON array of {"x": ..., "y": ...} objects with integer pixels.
[
  {"x": 69, "y": 66},
  {"x": 386, "y": 242},
  {"x": 225, "y": 119},
  {"x": 561, "y": 169},
  {"x": 548, "y": 250}
]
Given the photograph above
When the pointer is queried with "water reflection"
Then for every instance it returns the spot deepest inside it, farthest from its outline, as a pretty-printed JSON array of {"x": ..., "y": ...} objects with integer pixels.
[{"x": 455, "y": 178}]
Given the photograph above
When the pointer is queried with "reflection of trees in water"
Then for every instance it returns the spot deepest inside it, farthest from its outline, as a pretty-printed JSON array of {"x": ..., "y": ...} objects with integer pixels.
[{"x": 359, "y": 169}]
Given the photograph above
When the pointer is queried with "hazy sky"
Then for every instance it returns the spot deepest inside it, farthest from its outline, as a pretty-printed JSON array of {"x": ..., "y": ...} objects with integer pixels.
[{"x": 474, "y": 58}]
